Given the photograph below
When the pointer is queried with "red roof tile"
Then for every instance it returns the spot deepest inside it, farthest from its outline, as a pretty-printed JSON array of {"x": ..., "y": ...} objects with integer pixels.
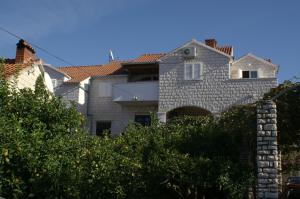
[
  {"x": 79, "y": 73},
  {"x": 11, "y": 68},
  {"x": 147, "y": 58},
  {"x": 225, "y": 49}
]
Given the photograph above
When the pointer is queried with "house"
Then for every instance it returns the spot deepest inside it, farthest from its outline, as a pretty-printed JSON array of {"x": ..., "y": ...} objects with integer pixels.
[
  {"x": 195, "y": 79},
  {"x": 72, "y": 82},
  {"x": 25, "y": 68}
]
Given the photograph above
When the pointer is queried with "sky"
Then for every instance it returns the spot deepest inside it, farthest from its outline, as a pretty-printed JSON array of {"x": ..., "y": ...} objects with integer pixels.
[{"x": 83, "y": 31}]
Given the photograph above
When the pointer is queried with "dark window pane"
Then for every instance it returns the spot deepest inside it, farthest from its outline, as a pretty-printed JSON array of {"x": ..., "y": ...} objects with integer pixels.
[
  {"x": 144, "y": 120},
  {"x": 253, "y": 74},
  {"x": 102, "y": 126},
  {"x": 155, "y": 77},
  {"x": 245, "y": 74}
]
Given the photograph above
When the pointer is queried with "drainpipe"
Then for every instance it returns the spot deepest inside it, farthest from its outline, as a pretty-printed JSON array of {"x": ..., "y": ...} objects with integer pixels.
[{"x": 88, "y": 115}]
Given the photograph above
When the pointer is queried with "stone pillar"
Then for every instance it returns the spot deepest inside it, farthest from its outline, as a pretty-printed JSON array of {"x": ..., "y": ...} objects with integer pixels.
[
  {"x": 267, "y": 151},
  {"x": 162, "y": 117}
]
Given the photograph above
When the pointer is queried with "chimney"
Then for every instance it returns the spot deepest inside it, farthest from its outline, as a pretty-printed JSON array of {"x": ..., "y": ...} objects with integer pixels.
[
  {"x": 25, "y": 53},
  {"x": 268, "y": 60},
  {"x": 211, "y": 42}
]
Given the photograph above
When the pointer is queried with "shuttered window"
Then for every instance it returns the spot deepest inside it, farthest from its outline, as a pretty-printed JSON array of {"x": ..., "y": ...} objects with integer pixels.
[
  {"x": 105, "y": 89},
  {"x": 188, "y": 71},
  {"x": 193, "y": 71}
]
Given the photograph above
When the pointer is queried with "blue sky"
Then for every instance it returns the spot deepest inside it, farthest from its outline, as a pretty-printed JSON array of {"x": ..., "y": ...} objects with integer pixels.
[{"x": 82, "y": 32}]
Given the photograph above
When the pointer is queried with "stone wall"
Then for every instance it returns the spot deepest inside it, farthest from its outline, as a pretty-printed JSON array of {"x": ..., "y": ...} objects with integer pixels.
[
  {"x": 215, "y": 92},
  {"x": 267, "y": 151}
]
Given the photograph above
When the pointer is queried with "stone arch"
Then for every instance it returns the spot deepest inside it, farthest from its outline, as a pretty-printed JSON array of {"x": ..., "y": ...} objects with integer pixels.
[{"x": 187, "y": 110}]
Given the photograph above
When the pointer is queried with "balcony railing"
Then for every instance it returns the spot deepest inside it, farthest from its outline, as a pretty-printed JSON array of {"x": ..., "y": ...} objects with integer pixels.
[{"x": 136, "y": 92}]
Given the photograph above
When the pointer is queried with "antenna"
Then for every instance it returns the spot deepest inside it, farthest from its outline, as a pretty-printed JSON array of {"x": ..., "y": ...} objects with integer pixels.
[{"x": 111, "y": 56}]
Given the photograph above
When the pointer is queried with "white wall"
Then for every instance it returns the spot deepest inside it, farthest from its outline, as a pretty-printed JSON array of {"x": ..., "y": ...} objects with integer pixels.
[
  {"x": 27, "y": 77},
  {"x": 249, "y": 64},
  {"x": 105, "y": 109}
]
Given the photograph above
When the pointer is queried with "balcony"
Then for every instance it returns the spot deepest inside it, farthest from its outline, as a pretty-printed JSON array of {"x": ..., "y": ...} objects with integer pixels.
[{"x": 136, "y": 92}]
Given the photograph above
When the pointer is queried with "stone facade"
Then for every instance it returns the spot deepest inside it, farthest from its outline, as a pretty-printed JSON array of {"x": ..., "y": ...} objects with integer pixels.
[
  {"x": 267, "y": 151},
  {"x": 214, "y": 92}
]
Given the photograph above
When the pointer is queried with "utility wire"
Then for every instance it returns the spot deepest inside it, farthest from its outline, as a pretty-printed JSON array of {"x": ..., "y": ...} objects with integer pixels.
[
  {"x": 36, "y": 46},
  {"x": 44, "y": 50}
]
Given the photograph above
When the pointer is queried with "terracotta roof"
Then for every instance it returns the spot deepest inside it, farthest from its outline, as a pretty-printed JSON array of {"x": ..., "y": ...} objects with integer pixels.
[
  {"x": 225, "y": 49},
  {"x": 11, "y": 68},
  {"x": 147, "y": 58},
  {"x": 79, "y": 73}
]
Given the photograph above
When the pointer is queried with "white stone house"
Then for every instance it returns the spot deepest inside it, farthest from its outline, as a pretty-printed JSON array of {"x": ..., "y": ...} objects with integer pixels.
[
  {"x": 25, "y": 68},
  {"x": 195, "y": 79}
]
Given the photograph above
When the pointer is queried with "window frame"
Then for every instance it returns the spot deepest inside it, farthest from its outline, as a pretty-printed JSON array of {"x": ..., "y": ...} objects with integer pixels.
[
  {"x": 108, "y": 89},
  {"x": 142, "y": 115},
  {"x": 250, "y": 74},
  {"x": 193, "y": 64},
  {"x": 103, "y": 121}
]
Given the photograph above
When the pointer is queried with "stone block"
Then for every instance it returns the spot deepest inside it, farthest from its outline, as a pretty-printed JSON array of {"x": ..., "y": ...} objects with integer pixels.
[
  {"x": 260, "y": 133},
  {"x": 270, "y": 157},
  {"x": 270, "y": 127},
  {"x": 263, "y": 152},
  {"x": 272, "y": 147},
  {"x": 270, "y": 138},
  {"x": 270, "y": 170},
  {"x": 262, "y": 181},
  {"x": 263, "y": 175},
  {"x": 261, "y": 121},
  {"x": 274, "y": 133},
  {"x": 263, "y": 164},
  {"x": 271, "y": 195}
]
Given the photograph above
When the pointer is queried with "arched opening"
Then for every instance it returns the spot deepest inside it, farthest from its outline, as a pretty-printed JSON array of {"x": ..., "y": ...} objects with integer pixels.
[{"x": 187, "y": 110}]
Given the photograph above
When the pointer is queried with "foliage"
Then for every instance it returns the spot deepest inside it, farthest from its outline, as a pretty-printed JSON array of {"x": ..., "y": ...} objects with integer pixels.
[
  {"x": 288, "y": 108},
  {"x": 288, "y": 114}
]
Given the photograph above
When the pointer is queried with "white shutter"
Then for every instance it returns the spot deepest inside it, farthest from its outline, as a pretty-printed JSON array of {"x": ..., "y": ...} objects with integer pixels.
[
  {"x": 188, "y": 71},
  {"x": 105, "y": 89},
  {"x": 197, "y": 71},
  {"x": 240, "y": 73}
]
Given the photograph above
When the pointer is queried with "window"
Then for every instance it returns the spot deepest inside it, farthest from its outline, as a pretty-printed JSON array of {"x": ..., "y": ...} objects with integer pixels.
[
  {"x": 54, "y": 83},
  {"x": 245, "y": 74},
  {"x": 193, "y": 71},
  {"x": 105, "y": 89},
  {"x": 253, "y": 74},
  {"x": 144, "y": 120},
  {"x": 102, "y": 127},
  {"x": 249, "y": 74}
]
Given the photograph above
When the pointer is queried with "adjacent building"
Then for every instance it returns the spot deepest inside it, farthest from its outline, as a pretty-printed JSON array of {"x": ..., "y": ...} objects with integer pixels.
[
  {"x": 25, "y": 68},
  {"x": 194, "y": 79}
]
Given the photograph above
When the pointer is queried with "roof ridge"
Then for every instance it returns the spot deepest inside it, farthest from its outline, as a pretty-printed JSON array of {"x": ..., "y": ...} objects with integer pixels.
[
  {"x": 224, "y": 46},
  {"x": 153, "y": 54},
  {"x": 78, "y": 66}
]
